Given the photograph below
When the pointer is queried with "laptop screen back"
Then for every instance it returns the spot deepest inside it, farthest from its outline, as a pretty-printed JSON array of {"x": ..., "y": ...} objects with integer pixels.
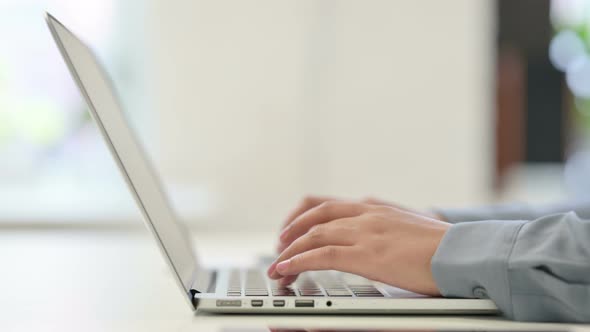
[{"x": 95, "y": 86}]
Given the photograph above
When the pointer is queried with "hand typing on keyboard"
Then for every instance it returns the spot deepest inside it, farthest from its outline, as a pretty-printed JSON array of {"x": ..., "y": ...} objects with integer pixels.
[
  {"x": 311, "y": 202},
  {"x": 379, "y": 242}
]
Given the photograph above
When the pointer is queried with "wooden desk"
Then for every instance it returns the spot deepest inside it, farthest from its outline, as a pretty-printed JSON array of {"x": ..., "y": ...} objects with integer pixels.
[{"x": 115, "y": 280}]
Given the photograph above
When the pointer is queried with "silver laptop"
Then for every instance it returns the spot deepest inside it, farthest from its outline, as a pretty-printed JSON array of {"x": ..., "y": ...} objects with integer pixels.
[{"x": 227, "y": 290}]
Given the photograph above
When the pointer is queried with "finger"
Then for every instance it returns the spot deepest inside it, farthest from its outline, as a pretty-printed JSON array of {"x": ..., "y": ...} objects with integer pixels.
[
  {"x": 320, "y": 214},
  {"x": 376, "y": 201},
  {"x": 330, "y": 234},
  {"x": 281, "y": 246},
  {"x": 286, "y": 281},
  {"x": 305, "y": 204},
  {"x": 345, "y": 259}
]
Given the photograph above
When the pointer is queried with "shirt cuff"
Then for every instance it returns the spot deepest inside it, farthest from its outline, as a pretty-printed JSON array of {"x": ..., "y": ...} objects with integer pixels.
[
  {"x": 489, "y": 212},
  {"x": 472, "y": 261}
]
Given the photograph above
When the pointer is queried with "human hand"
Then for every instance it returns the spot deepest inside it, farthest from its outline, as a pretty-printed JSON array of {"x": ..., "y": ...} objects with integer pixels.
[
  {"x": 310, "y": 202},
  {"x": 378, "y": 242}
]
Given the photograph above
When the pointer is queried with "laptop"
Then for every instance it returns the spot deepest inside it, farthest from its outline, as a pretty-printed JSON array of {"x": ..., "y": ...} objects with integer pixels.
[{"x": 227, "y": 290}]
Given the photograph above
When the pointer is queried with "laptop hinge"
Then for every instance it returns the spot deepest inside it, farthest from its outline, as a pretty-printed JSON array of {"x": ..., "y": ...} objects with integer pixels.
[
  {"x": 193, "y": 299},
  {"x": 203, "y": 282}
]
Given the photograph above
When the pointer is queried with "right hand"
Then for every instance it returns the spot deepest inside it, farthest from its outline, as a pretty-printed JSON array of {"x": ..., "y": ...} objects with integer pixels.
[
  {"x": 310, "y": 202},
  {"x": 365, "y": 239}
]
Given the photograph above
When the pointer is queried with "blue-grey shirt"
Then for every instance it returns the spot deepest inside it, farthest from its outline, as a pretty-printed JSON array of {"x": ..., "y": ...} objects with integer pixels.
[{"x": 533, "y": 262}]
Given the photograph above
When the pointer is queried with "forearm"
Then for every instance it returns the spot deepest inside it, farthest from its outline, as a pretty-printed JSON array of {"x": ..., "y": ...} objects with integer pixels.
[
  {"x": 516, "y": 211},
  {"x": 533, "y": 270}
]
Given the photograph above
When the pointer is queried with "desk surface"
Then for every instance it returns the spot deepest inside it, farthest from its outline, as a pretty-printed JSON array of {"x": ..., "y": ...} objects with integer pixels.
[{"x": 115, "y": 280}]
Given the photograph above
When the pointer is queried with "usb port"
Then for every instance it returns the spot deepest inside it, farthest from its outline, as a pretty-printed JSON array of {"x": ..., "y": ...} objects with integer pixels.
[
  {"x": 256, "y": 303},
  {"x": 278, "y": 303},
  {"x": 304, "y": 303}
]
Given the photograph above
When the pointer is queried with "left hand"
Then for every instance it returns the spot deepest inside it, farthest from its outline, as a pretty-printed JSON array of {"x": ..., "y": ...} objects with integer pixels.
[{"x": 377, "y": 242}]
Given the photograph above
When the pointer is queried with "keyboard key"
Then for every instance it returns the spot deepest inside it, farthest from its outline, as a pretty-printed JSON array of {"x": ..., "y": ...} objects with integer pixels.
[
  {"x": 339, "y": 293},
  {"x": 256, "y": 293},
  {"x": 361, "y": 287},
  {"x": 369, "y": 295},
  {"x": 283, "y": 294},
  {"x": 374, "y": 293}
]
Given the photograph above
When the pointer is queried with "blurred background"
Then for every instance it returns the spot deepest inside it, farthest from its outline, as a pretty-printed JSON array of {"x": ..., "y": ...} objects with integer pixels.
[{"x": 246, "y": 106}]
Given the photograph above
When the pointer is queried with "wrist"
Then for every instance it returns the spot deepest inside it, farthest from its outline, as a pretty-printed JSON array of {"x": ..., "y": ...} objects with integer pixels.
[
  {"x": 437, "y": 238},
  {"x": 435, "y": 215}
]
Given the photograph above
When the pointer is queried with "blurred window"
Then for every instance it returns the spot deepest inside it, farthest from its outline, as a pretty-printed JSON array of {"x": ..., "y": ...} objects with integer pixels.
[{"x": 50, "y": 152}]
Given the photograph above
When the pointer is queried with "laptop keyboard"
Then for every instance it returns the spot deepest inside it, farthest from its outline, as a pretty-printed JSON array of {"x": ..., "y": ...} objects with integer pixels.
[{"x": 326, "y": 283}]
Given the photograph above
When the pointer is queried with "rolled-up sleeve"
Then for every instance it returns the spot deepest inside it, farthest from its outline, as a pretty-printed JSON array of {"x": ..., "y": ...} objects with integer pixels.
[{"x": 535, "y": 270}]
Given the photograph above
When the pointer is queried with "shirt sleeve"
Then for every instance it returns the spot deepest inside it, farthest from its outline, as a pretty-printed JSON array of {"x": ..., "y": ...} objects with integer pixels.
[
  {"x": 533, "y": 270},
  {"x": 516, "y": 211}
]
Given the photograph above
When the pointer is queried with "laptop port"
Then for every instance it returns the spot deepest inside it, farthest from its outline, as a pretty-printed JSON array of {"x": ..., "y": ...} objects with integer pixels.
[
  {"x": 304, "y": 303},
  {"x": 229, "y": 303},
  {"x": 256, "y": 303},
  {"x": 278, "y": 303}
]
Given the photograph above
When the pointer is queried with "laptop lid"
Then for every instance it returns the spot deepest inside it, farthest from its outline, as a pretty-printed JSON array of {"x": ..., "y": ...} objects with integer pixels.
[{"x": 96, "y": 88}]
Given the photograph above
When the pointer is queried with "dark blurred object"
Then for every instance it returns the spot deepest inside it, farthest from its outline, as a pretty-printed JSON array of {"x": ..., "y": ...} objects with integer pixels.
[
  {"x": 532, "y": 112},
  {"x": 510, "y": 110}
]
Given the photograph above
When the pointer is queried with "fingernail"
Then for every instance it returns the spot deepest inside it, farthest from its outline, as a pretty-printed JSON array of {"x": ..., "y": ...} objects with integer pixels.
[{"x": 283, "y": 266}]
